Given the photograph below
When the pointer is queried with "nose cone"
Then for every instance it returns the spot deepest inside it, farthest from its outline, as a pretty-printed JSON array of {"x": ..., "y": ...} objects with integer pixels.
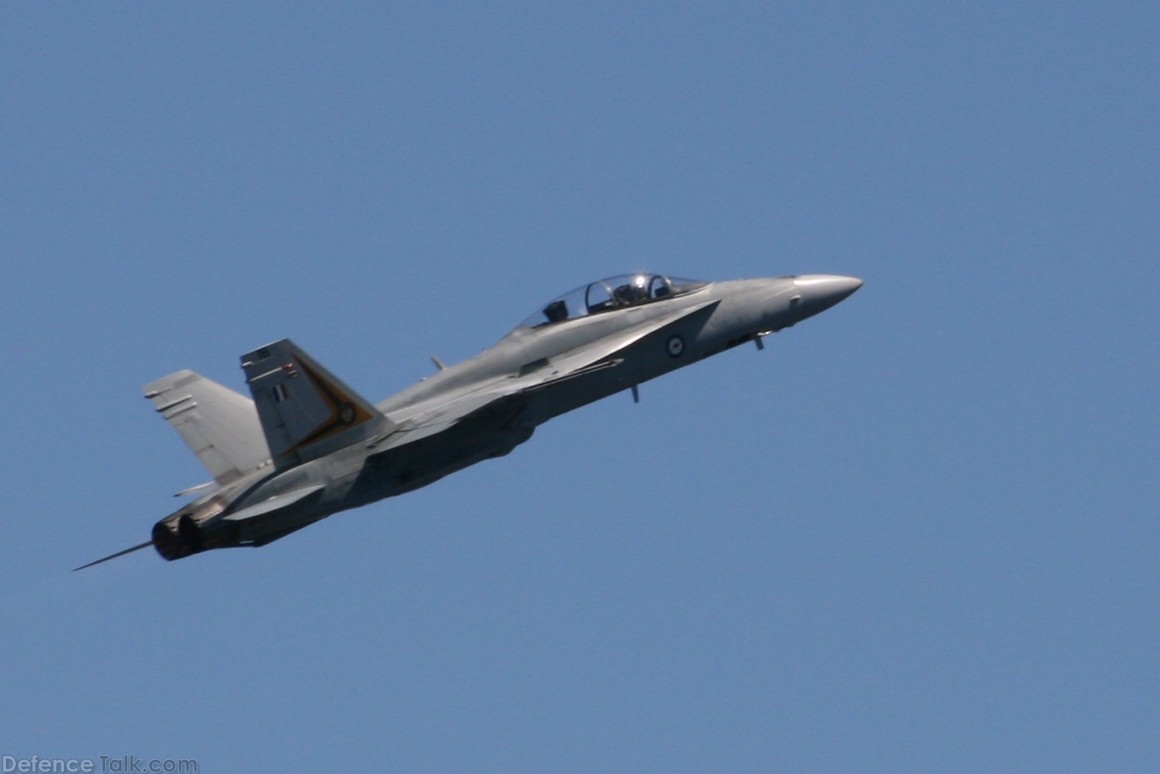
[{"x": 821, "y": 291}]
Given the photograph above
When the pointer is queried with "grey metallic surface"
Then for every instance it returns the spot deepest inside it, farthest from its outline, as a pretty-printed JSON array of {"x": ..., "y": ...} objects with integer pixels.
[{"x": 334, "y": 451}]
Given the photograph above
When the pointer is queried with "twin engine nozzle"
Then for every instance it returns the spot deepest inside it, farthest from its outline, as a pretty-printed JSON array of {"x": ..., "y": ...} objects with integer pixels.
[{"x": 184, "y": 532}]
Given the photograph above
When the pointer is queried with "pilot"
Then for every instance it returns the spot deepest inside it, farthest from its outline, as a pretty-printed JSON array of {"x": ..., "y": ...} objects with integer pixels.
[
  {"x": 633, "y": 292},
  {"x": 556, "y": 311}
]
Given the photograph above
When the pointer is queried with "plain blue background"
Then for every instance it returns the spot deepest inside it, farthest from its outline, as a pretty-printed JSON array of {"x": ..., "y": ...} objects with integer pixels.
[{"x": 917, "y": 533}]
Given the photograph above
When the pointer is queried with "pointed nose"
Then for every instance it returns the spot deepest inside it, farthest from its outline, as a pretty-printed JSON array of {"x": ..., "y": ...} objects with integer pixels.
[{"x": 821, "y": 291}]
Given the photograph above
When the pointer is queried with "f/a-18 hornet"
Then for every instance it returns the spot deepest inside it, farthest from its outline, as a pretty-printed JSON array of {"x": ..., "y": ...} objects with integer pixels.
[{"x": 308, "y": 446}]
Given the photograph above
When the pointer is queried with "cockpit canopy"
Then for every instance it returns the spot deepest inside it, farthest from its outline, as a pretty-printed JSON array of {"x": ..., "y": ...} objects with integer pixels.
[{"x": 611, "y": 293}]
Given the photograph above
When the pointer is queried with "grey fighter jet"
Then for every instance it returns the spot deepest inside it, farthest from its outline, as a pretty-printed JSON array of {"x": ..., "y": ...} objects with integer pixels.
[{"x": 307, "y": 445}]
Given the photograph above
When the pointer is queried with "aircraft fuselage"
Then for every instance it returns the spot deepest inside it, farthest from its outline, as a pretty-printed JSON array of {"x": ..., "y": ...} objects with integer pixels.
[{"x": 566, "y": 363}]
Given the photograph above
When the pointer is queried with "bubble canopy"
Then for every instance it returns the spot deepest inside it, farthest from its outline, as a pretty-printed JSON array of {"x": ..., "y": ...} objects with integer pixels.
[{"x": 610, "y": 293}]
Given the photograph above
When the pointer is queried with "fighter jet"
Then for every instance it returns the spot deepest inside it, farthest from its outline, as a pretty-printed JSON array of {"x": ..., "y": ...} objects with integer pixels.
[{"x": 305, "y": 445}]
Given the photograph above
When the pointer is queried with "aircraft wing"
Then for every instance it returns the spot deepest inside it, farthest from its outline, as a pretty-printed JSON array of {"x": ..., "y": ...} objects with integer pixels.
[{"x": 505, "y": 395}]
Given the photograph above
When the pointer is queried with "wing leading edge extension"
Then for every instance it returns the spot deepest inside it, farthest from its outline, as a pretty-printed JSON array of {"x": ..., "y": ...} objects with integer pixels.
[{"x": 507, "y": 390}]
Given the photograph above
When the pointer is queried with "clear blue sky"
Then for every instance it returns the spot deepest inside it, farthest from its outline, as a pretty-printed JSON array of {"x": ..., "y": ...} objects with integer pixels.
[{"x": 917, "y": 533}]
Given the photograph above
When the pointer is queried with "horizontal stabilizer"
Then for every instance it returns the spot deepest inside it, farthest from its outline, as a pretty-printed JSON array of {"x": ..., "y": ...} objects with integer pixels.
[
  {"x": 218, "y": 424},
  {"x": 305, "y": 411},
  {"x": 274, "y": 503}
]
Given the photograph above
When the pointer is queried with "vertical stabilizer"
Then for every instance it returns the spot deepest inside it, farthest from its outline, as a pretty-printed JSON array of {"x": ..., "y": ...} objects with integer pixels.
[
  {"x": 218, "y": 424},
  {"x": 305, "y": 411}
]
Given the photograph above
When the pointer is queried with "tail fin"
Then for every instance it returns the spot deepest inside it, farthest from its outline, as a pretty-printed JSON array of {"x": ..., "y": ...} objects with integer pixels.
[
  {"x": 305, "y": 411},
  {"x": 218, "y": 424}
]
